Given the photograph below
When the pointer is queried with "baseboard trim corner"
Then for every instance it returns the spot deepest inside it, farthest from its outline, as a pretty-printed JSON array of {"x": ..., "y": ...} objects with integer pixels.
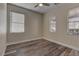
[
  {"x": 10, "y": 43},
  {"x": 66, "y": 45}
]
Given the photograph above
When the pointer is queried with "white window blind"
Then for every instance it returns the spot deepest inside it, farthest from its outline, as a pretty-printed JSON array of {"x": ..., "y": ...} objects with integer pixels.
[
  {"x": 52, "y": 24},
  {"x": 16, "y": 22},
  {"x": 73, "y": 20}
]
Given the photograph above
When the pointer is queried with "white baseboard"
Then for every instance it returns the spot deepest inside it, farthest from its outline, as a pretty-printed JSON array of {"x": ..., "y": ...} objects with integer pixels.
[
  {"x": 66, "y": 45},
  {"x": 10, "y": 43}
]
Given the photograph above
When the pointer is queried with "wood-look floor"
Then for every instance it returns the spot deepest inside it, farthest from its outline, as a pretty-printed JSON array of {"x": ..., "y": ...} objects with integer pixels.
[{"x": 39, "y": 47}]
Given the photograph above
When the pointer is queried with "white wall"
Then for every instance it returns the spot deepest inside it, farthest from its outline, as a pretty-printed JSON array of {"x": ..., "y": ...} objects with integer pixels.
[
  {"x": 33, "y": 24},
  {"x": 61, "y": 34},
  {"x": 3, "y": 18}
]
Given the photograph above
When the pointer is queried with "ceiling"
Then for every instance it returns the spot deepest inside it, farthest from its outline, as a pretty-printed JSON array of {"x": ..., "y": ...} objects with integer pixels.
[{"x": 30, "y": 6}]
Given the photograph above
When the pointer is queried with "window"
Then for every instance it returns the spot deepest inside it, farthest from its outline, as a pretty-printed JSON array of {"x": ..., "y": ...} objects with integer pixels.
[
  {"x": 52, "y": 24},
  {"x": 16, "y": 22},
  {"x": 73, "y": 21}
]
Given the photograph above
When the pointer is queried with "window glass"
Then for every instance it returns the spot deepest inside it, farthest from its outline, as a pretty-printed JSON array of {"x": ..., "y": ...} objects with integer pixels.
[
  {"x": 73, "y": 20},
  {"x": 52, "y": 24},
  {"x": 16, "y": 22}
]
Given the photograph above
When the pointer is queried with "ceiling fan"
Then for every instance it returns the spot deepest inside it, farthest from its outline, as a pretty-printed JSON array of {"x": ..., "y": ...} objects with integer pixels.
[{"x": 44, "y": 4}]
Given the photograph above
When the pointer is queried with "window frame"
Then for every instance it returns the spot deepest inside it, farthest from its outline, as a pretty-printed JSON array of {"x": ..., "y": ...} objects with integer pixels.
[
  {"x": 16, "y": 22},
  {"x": 74, "y": 31},
  {"x": 52, "y": 21}
]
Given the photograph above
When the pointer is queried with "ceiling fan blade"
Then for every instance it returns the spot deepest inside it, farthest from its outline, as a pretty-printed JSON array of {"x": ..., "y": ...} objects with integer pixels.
[
  {"x": 56, "y": 3},
  {"x": 36, "y": 5},
  {"x": 46, "y": 4}
]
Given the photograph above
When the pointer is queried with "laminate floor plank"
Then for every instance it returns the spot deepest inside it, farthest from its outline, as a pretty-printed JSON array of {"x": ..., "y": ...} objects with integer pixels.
[{"x": 39, "y": 47}]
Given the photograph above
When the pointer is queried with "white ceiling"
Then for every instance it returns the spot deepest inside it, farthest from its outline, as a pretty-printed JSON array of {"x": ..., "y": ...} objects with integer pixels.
[{"x": 43, "y": 9}]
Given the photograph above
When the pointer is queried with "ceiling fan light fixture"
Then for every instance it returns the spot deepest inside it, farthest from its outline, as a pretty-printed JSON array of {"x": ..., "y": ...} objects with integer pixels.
[{"x": 40, "y": 4}]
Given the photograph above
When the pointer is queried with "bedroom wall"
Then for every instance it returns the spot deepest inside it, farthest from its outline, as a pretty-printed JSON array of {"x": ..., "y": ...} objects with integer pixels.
[
  {"x": 33, "y": 25},
  {"x": 3, "y": 18},
  {"x": 60, "y": 36}
]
